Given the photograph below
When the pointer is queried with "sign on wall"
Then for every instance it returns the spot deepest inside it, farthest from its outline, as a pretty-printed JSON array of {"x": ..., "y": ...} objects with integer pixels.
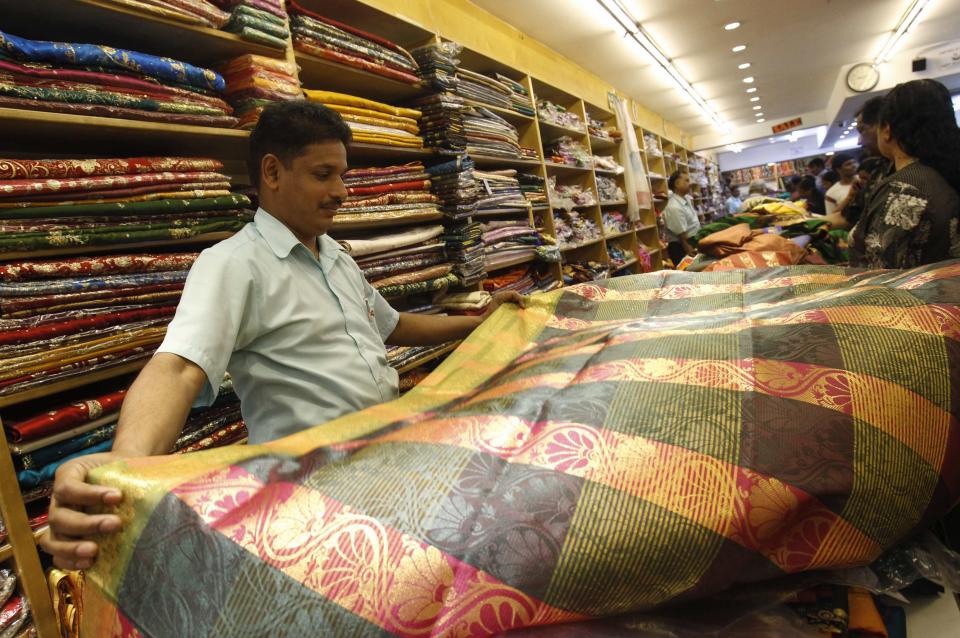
[{"x": 786, "y": 126}]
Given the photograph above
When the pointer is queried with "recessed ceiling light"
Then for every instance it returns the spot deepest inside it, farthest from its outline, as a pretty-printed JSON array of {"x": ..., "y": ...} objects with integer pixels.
[
  {"x": 752, "y": 89},
  {"x": 755, "y": 99},
  {"x": 772, "y": 141},
  {"x": 757, "y": 107},
  {"x": 759, "y": 114},
  {"x": 745, "y": 65},
  {"x": 828, "y": 153},
  {"x": 761, "y": 121},
  {"x": 731, "y": 26},
  {"x": 748, "y": 79},
  {"x": 739, "y": 48}
]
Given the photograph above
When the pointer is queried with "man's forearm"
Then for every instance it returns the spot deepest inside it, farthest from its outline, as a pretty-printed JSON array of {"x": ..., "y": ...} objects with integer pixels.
[
  {"x": 429, "y": 330},
  {"x": 157, "y": 405}
]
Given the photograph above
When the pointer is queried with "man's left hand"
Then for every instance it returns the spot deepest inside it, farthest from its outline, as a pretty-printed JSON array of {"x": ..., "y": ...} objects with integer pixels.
[{"x": 502, "y": 297}]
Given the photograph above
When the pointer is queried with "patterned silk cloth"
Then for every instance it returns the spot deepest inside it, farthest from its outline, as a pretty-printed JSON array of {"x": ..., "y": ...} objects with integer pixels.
[{"x": 614, "y": 447}]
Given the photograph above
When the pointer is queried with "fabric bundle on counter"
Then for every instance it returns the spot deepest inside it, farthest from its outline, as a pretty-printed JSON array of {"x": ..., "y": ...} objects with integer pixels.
[
  {"x": 465, "y": 250},
  {"x": 489, "y": 134},
  {"x": 574, "y": 229},
  {"x": 80, "y": 202},
  {"x": 260, "y": 21},
  {"x": 199, "y": 12},
  {"x": 615, "y": 222},
  {"x": 254, "y": 81},
  {"x": 442, "y": 123},
  {"x": 582, "y": 272},
  {"x": 373, "y": 122},
  {"x": 557, "y": 115},
  {"x": 326, "y": 38},
  {"x": 499, "y": 192},
  {"x": 88, "y": 79},
  {"x": 609, "y": 190},
  {"x": 404, "y": 263},
  {"x": 569, "y": 196},
  {"x": 480, "y": 88},
  {"x": 519, "y": 96},
  {"x": 506, "y": 241},
  {"x": 534, "y": 189},
  {"x": 819, "y": 243},
  {"x": 438, "y": 64},
  {"x": 465, "y": 302},
  {"x": 387, "y": 195},
  {"x": 565, "y": 150},
  {"x": 455, "y": 183}
]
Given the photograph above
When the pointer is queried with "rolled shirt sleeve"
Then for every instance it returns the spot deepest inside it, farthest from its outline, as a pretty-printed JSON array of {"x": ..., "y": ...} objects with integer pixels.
[{"x": 213, "y": 317}]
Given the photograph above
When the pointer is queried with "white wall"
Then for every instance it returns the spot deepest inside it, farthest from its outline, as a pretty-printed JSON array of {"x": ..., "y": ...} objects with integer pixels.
[{"x": 766, "y": 153}]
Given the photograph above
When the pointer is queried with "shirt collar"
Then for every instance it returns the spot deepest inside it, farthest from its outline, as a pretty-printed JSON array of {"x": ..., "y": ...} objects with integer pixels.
[{"x": 282, "y": 241}]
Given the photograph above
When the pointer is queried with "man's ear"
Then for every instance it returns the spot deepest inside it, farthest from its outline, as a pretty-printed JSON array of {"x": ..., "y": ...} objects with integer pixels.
[{"x": 270, "y": 168}]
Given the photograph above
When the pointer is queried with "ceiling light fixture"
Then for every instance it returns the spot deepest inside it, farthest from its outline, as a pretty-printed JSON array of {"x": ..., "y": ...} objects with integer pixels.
[
  {"x": 761, "y": 121},
  {"x": 909, "y": 18},
  {"x": 757, "y": 107},
  {"x": 638, "y": 34},
  {"x": 745, "y": 65},
  {"x": 755, "y": 99},
  {"x": 752, "y": 89},
  {"x": 828, "y": 153},
  {"x": 731, "y": 26},
  {"x": 748, "y": 79},
  {"x": 739, "y": 48}
]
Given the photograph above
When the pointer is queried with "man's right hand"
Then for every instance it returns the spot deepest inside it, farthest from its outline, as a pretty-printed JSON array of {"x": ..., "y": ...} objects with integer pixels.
[{"x": 70, "y": 527}]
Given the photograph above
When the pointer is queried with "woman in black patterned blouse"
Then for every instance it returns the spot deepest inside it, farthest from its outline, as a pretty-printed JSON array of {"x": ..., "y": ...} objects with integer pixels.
[{"x": 911, "y": 217}]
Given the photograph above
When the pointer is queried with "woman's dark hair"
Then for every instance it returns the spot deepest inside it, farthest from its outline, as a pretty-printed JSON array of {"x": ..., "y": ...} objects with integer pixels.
[
  {"x": 674, "y": 177},
  {"x": 808, "y": 188},
  {"x": 921, "y": 119},
  {"x": 286, "y": 129}
]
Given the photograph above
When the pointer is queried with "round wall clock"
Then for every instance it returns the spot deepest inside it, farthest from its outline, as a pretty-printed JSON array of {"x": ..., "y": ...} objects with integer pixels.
[{"x": 862, "y": 77}]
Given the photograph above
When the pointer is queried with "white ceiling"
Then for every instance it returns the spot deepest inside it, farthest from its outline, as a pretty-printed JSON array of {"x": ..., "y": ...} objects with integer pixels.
[{"x": 795, "y": 48}]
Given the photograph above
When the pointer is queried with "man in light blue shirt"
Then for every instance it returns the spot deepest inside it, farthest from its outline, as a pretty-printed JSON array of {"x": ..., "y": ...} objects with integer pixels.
[
  {"x": 279, "y": 305},
  {"x": 680, "y": 218}
]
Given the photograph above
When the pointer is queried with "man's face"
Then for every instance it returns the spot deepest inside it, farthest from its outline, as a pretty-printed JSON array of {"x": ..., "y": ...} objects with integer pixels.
[
  {"x": 308, "y": 192},
  {"x": 682, "y": 185},
  {"x": 814, "y": 169},
  {"x": 868, "y": 137},
  {"x": 848, "y": 169}
]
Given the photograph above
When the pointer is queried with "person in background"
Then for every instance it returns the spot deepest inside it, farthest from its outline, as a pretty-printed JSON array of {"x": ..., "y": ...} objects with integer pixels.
[
  {"x": 828, "y": 179},
  {"x": 680, "y": 218},
  {"x": 807, "y": 190},
  {"x": 792, "y": 186},
  {"x": 877, "y": 167},
  {"x": 816, "y": 167},
  {"x": 911, "y": 217},
  {"x": 845, "y": 166},
  {"x": 732, "y": 202}
]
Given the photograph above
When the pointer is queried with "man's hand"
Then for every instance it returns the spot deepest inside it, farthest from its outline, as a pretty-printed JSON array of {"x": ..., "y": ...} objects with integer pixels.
[
  {"x": 70, "y": 528},
  {"x": 502, "y": 297}
]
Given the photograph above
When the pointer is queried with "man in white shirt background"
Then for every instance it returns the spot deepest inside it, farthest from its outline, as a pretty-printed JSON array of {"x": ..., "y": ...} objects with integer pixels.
[
  {"x": 279, "y": 305},
  {"x": 845, "y": 165},
  {"x": 680, "y": 218}
]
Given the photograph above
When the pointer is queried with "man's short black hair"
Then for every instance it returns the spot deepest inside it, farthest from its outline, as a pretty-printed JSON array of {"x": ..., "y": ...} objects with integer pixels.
[
  {"x": 286, "y": 129},
  {"x": 869, "y": 113},
  {"x": 840, "y": 159},
  {"x": 816, "y": 161},
  {"x": 674, "y": 177},
  {"x": 830, "y": 176}
]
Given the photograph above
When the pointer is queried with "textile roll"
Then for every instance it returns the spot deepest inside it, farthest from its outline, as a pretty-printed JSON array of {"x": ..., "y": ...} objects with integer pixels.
[
  {"x": 612, "y": 448},
  {"x": 66, "y": 417}
]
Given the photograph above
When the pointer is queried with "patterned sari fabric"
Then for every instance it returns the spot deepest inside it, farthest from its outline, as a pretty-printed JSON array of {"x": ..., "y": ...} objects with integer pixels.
[
  {"x": 615, "y": 447},
  {"x": 385, "y": 124}
]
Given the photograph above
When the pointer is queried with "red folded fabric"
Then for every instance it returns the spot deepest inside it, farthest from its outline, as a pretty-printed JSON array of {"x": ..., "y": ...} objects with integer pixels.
[
  {"x": 114, "y": 193},
  {"x": 224, "y": 121},
  {"x": 389, "y": 188},
  {"x": 97, "y": 362},
  {"x": 386, "y": 170},
  {"x": 73, "y": 168},
  {"x": 71, "y": 326},
  {"x": 32, "y": 187},
  {"x": 66, "y": 417},
  {"x": 295, "y": 8},
  {"x": 109, "y": 296},
  {"x": 30, "y": 269}
]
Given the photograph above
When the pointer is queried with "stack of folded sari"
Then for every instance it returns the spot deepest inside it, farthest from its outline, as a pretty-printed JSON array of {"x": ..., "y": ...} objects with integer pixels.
[
  {"x": 254, "y": 81},
  {"x": 489, "y": 134},
  {"x": 499, "y": 192},
  {"x": 519, "y": 96},
  {"x": 373, "y": 122},
  {"x": 534, "y": 189},
  {"x": 525, "y": 280},
  {"x": 506, "y": 241},
  {"x": 480, "y": 88},
  {"x": 346, "y": 45},
  {"x": 465, "y": 250},
  {"x": 88, "y": 79},
  {"x": 390, "y": 194},
  {"x": 198, "y": 12},
  {"x": 61, "y": 203},
  {"x": 574, "y": 229},
  {"x": 260, "y": 21},
  {"x": 443, "y": 121},
  {"x": 14, "y": 607},
  {"x": 456, "y": 185},
  {"x": 404, "y": 263},
  {"x": 406, "y": 356},
  {"x": 438, "y": 64}
]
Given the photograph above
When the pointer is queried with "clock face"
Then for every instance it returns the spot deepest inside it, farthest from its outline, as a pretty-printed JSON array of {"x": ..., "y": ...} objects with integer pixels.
[{"x": 862, "y": 77}]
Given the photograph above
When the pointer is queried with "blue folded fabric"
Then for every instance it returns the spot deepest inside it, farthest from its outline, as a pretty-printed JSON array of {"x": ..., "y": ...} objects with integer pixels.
[
  {"x": 32, "y": 478},
  {"x": 163, "y": 69}
]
